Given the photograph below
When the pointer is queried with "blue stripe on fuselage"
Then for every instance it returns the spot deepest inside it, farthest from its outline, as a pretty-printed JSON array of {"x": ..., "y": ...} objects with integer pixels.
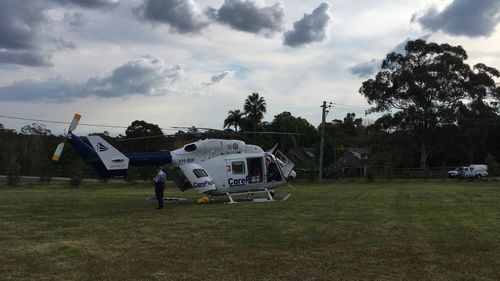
[{"x": 149, "y": 158}]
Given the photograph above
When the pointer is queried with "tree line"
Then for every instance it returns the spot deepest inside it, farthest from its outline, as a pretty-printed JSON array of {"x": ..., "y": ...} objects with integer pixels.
[{"x": 437, "y": 111}]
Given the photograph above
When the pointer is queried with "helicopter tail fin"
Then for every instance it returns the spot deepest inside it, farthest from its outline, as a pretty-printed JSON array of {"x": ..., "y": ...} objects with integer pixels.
[{"x": 107, "y": 161}]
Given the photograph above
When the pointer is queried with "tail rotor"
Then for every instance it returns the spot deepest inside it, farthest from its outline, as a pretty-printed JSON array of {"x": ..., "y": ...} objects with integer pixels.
[{"x": 60, "y": 147}]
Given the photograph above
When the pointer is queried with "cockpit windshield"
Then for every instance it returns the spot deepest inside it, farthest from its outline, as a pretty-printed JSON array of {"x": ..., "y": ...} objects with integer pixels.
[{"x": 190, "y": 147}]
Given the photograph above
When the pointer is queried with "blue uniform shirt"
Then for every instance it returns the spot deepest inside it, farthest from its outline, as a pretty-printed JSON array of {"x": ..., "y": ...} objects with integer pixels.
[{"x": 160, "y": 176}]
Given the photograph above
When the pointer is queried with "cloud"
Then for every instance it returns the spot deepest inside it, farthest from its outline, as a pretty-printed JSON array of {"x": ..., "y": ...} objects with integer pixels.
[
  {"x": 20, "y": 33},
  {"x": 75, "y": 20},
  {"x": 247, "y": 16},
  {"x": 367, "y": 69},
  {"x": 216, "y": 78},
  {"x": 463, "y": 17},
  {"x": 29, "y": 90},
  {"x": 24, "y": 57},
  {"x": 182, "y": 16},
  {"x": 311, "y": 28},
  {"x": 91, "y": 4},
  {"x": 143, "y": 76},
  {"x": 19, "y": 22}
]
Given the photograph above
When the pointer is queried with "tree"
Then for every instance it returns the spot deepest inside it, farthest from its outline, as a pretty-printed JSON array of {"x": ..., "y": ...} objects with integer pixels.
[
  {"x": 148, "y": 137},
  {"x": 35, "y": 129},
  {"x": 285, "y": 122},
  {"x": 255, "y": 107},
  {"x": 425, "y": 86},
  {"x": 234, "y": 118}
]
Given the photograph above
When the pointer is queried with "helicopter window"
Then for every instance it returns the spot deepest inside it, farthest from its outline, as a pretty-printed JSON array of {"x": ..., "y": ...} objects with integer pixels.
[
  {"x": 190, "y": 147},
  {"x": 238, "y": 167},
  {"x": 200, "y": 173}
]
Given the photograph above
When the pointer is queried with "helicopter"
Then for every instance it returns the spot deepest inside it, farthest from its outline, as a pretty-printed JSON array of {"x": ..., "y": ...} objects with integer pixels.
[{"x": 213, "y": 167}]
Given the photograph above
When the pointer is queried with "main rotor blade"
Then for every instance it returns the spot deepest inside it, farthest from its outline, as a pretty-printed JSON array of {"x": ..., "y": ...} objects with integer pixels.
[
  {"x": 272, "y": 149},
  {"x": 57, "y": 153},
  {"x": 74, "y": 123}
]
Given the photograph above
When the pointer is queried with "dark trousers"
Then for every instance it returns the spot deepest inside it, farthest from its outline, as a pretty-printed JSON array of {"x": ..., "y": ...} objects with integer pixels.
[{"x": 159, "y": 188}]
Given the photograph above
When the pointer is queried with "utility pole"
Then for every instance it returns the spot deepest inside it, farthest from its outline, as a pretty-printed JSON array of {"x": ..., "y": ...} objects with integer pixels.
[{"x": 325, "y": 111}]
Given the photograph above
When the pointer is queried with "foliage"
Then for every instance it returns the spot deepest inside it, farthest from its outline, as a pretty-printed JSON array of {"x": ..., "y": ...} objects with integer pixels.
[
  {"x": 35, "y": 129},
  {"x": 234, "y": 118},
  {"x": 302, "y": 133},
  {"x": 370, "y": 175},
  {"x": 146, "y": 137},
  {"x": 255, "y": 107},
  {"x": 13, "y": 172},
  {"x": 76, "y": 179},
  {"x": 46, "y": 170},
  {"x": 425, "y": 86},
  {"x": 492, "y": 164}
]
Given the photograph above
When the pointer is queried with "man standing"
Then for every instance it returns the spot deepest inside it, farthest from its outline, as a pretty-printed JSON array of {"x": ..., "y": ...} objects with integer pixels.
[{"x": 159, "y": 182}]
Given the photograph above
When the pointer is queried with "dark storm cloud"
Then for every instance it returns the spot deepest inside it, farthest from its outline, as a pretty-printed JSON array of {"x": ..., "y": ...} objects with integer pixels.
[
  {"x": 144, "y": 76},
  {"x": 311, "y": 28},
  {"x": 19, "y": 21},
  {"x": 463, "y": 17},
  {"x": 182, "y": 16},
  {"x": 246, "y": 15},
  {"x": 25, "y": 30},
  {"x": 20, "y": 24}
]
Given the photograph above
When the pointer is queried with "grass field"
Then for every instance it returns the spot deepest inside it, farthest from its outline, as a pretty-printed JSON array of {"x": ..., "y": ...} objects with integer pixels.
[{"x": 328, "y": 231}]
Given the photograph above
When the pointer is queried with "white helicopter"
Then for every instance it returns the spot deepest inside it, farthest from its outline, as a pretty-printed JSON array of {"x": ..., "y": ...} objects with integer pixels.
[{"x": 213, "y": 167}]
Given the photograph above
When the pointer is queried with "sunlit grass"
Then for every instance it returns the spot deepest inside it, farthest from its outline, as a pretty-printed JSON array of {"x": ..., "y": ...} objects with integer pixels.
[{"x": 328, "y": 231}]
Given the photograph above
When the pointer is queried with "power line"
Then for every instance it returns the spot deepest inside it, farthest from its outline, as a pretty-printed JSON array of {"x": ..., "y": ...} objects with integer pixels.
[
  {"x": 352, "y": 106},
  {"x": 79, "y": 124}
]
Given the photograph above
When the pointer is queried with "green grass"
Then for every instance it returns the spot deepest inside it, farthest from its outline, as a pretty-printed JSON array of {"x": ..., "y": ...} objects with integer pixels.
[{"x": 329, "y": 231}]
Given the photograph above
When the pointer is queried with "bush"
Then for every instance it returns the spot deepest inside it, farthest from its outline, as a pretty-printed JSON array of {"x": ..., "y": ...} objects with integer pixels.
[
  {"x": 370, "y": 175},
  {"x": 13, "y": 171},
  {"x": 76, "y": 178},
  {"x": 45, "y": 173},
  {"x": 492, "y": 164}
]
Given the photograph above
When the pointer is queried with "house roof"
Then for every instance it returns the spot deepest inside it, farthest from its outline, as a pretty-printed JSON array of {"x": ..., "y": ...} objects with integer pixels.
[{"x": 303, "y": 154}]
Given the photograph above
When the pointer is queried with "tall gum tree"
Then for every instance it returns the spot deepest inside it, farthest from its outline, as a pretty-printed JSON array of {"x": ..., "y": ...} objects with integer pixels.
[{"x": 422, "y": 89}]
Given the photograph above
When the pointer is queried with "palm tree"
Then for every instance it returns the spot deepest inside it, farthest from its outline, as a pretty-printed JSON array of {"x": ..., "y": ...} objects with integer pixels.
[
  {"x": 255, "y": 107},
  {"x": 234, "y": 118}
]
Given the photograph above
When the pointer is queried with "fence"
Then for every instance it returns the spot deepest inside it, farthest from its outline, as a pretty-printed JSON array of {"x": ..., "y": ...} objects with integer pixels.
[{"x": 383, "y": 172}]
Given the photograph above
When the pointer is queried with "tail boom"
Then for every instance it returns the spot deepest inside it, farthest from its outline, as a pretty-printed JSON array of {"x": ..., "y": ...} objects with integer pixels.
[{"x": 108, "y": 162}]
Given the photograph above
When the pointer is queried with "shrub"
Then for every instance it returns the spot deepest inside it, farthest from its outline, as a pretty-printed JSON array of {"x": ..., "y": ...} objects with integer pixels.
[
  {"x": 13, "y": 171},
  {"x": 370, "y": 175}
]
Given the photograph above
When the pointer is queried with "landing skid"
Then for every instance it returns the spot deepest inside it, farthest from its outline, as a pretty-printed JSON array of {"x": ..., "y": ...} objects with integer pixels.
[
  {"x": 165, "y": 199},
  {"x": 269, "y": 197}
]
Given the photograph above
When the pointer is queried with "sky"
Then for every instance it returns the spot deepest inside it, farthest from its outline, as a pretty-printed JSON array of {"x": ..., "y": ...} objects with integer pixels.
[{"x": 188, "y": 62}]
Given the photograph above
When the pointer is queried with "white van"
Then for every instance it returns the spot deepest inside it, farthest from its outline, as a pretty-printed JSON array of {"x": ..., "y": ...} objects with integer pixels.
[{"x": 475, "y": 171}]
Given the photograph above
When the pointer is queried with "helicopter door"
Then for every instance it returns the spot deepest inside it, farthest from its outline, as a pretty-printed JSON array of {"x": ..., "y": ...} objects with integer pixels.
[
  {"x": 198, "y": 177},
  {"x": 255, "y": 170},
  {"x": 236, "y": 172},
  {"x": 285, "y": 164}
]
